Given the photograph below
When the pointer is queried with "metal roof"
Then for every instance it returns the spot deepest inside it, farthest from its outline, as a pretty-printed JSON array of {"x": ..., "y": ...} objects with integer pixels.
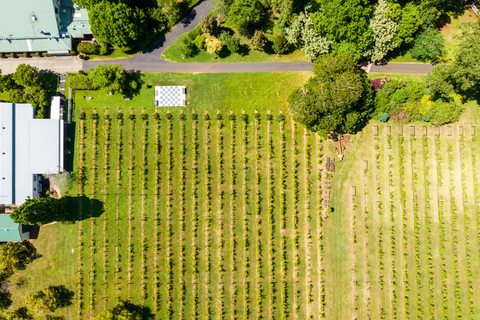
[{"x": 9, "y": 230}]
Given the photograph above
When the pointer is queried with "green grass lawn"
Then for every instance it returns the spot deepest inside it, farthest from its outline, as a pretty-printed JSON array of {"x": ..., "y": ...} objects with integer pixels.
[{"x": 174, "y": 54}]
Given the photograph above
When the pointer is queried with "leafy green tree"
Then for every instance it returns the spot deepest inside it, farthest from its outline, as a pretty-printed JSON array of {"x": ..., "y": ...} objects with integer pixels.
[
  {"x": 49, "y": 299},
  {"x": 5, "y": 300},
  {"x": 26, "y": 76},
  {"x": 189, "y": 48},
  {"x": 222, "y": 7},
  {"x": 81, "y": 82},
  {"x": 302, "y": 32},
  {"x": 408, "y": 25},
  {"x": 384, "y": 30},
  {"x": 233, "y": 44},
  {"x": 339, "y": 98},
  {"x": 16, "y": 255},
  {"x": 88, "y": 48},
  {"x": 429, "y": 45},
  {"x": 39, "y": 211},
  {"x": 111, "y": 77},
  {"x": 116, "y": 24},
  {"x": 280, "y": 44},
  {"x": 200, "y": 42},
  {"x": 440, "y": 82},
  {"x": 19, "y": 314},
  {"x": 346, "y": 24},
  {"x": 258, "y": 40},
  {"x": 209, "y": 25},
  {"x": 245, "y": 14},
  {"x": 124, "y": 310}
]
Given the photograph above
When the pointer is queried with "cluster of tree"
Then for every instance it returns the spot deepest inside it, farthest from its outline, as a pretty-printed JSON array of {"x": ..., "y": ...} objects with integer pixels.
[
  {"x": 39, "y": 211},
  {"x": 132, "y": 24},
  {"x": 125, "y": 310},
  {"x": 338, "y": 98},
  {"x": 112, "y": 78},
  {"x": 28, "y": 85}
]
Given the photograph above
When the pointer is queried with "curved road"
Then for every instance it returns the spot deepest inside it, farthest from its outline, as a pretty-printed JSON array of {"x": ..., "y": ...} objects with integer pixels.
[{"x": 151, "y": 61}]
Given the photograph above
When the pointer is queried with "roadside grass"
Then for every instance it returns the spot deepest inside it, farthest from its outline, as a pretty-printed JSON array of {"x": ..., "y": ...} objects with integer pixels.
[
  {"x": 174, "y": 53},
  {"x": 398, "y": 76}
]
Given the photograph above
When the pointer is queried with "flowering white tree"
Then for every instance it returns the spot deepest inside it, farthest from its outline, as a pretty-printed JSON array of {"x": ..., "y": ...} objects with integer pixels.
[{"x": 384, "y": 31}]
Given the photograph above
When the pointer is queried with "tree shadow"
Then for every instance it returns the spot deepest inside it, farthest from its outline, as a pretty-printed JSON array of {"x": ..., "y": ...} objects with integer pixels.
[
  {"x": 69, "y": 144},
  {"x": 134, "y": 80},
  {"x": 89, "y": 208},
  {"x": 244, "y": 50}
]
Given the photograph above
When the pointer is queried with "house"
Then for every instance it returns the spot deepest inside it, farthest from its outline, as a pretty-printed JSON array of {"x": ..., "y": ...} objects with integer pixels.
[
  {"x": 41, "y": 26},
  {"x": 170, "y": 96},
  {"x": 29, "y": 149}
]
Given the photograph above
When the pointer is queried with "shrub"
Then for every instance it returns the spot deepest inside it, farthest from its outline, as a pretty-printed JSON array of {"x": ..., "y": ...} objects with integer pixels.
[
  {"x": 107, "y": 116},
  {"x": 144, "y": 116},
  {"x": 280, "y": 44},
  {"x": 209, "y": 25},
  {"x": 131, "y": 116},
  {"x": 168, "y": 116},
  {"x": 81, "y": 82},
  {"x": 231, "y": 117},
  {"x": 194, "y": 116},
  {"x": 200, "y": 42},
  {"x": 189, "y": 49},
  {"x": 156, "y": 116},
  {"x": 383, "y": 117},
  {"x": 82, "y": 115},
  {"x": 244, "y": 117},
  {"x": 219, "y": 116},
  {"x": 269, "y": 117},
  {"x": 88, "y": 48},
  {"x": 258, "y": 40},
  {"x": 233, "y": 44},
  {"x": 182, "y": 116},
  {"x": 119, "y": 115},
  {"x": 94, "y": 116},
  {"x": 256, "y": 116},
  {"x": 429, "y": 45},
  {"x": 206, "y": 117},
  {"x": 281, "y": 118}
]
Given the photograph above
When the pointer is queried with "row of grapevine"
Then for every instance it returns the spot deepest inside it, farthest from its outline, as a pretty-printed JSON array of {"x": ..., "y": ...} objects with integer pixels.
[
  {"x": 143, "y": 271},
  {"x": 220, "y": 218},
  {"x": 319, "y": 223},
  {"x": 106, "y": 149},
  {"x": 182, "y": 226},
  {"x": 366, "y": 245},
  {"x": 207, "y": 212},
  {"x": 391, "y": 212},
  {"x": 271, "y": 223},
  {"x": 156, "y": 209},
  {"x": 81, "y": 174},
  {"x": 194, "y": 257},
  {"x": 130, "y": 245},
  {"x": 93, "y": 177},
  {"x": 246, "y": 231},
  {"x": 403, "y": 208},
  {"x": 308, "y": 237},
  {"x": 232, "y": 182},
  {"x": 283, "y": 222},
  {"x": 169, "y": 228},
  {"x": 119, "y": 147},
  {"x": 258, "y": 264}
]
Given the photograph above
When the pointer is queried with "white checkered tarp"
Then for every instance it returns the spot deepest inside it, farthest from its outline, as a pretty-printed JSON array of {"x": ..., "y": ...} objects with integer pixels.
[{"x": 173, "y": 96}]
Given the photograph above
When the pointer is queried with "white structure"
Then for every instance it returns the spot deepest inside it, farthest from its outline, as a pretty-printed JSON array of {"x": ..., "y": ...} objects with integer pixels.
[
  {"x": 173, "y": 96},
  {"x": 29, "y": 148}
]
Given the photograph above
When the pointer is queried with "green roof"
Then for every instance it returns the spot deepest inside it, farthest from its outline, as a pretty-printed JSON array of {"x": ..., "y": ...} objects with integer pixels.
[
  {"x": 41, "y": 25},
  {"x": 9, "y": 230}
]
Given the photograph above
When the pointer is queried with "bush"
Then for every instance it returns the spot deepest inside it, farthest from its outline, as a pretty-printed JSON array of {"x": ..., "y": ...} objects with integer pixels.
[
  {"x": 194, "y": 116},
  {"x": 119, "y": 115},
  {"x": 192, "y": 35},
  {"x": 144, "y": 116},
  {"x": 244, "y": 117},
  {"x": 94, "y": 116},
  {"x": 258, "y": 40},
  {"x": 281, "y": 117},
  {"x": 429, "y": 45},
  {"x": 131, "y": 116},
  {"x": 182, "y": 116},
  {"x": 219, "y": 116},
  {"x": 206, "y": 117},
  {"x": 81, "y": 82},
  {"x": 189, "y": 49},
  {"x": 88, "y": 48},
  {"x": 156, "y": 116},
  {"x": 82, "y": 115},
  {"x": 233, "y": 44},
  {"x": 106, "y": 116},
  {"x": 256, "y": 116},
  {"x": 383, "y": 117},
  {"x": 168, "y": 116},
  {"x": 200, "y": 42},
  {"x": 269, "y": 117},
  {"x": 280, "y": 44},
  {"x": 231, "y": 117}
]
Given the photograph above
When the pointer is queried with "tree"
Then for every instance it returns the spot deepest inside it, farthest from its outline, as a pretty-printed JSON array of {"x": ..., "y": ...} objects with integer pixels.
[
  {"x": 5, "y": 300},
  {"x": 39, "y": 211},
  {"x": 258, "y": 40},
  {"x": 346, "y": 24},
  {"x": 81, "y": 82},
  {"x": 339, "y": 98},
  {"x": 233, "y": 44},
  {"x": 116, "y": 24},
  {"x": 26, "y": 76},
  {"x": 408, "y": 25},
  {"x": 209, "y": 25},
  {"x": 200, "y": 42},
  {"x": 440, "y": 82},
  {"x": 88, "y": 48},
  {"x": 214, "y": 45},
  {"x": 124, "y": 310},
  {"x": 384, "y": 30},
  {"x": 16, "y": 255},
  {"x": 19, "y": 314},
  {"x": 189, "y": 48},
  {"x": 429, "y": 45},
  {"x": 111, "y": 77},
  {"x": 49, "y": 299},
  {"x": 280, "y": 44},
  {"x": 222, "y": 7},
  {"x": 245, "y": 14},
  {"x": 302, "y": 31}
]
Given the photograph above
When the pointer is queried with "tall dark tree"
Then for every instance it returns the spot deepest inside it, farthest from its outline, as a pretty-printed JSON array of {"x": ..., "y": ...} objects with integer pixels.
[
  {"x": 339, "y": 98},
  {"x": 49, "y": 299},
  {"x": 16, "y": 255},
  {"x": 5, "y": 300},
  {"x": 125, "y": 310},
  {"x": 245, "y": 14},
  {"x": 39, "y": 211}
]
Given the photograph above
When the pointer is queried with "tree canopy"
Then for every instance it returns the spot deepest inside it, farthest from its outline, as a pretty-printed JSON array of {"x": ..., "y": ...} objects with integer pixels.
[
  {"x": 39, "y": 211},
  {"x": 49, "y": 299},
  {"x": 245, "y": 14},
  {"x": 338, "y": 98},
  {"x": 125, "y": 310}
]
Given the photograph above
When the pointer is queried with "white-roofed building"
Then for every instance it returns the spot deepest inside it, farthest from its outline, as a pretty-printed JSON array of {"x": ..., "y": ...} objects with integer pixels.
[
  {"x": 29, "y": 148},
  {"x": 170, "y": 96}
]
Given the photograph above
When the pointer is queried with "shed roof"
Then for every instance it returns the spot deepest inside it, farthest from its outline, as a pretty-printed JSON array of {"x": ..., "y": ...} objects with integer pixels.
[{"x": 9, "y": 230}]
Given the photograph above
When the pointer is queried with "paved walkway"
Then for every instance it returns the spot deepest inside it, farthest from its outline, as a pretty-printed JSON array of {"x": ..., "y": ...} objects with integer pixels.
[{"x": 151, "y": 61}]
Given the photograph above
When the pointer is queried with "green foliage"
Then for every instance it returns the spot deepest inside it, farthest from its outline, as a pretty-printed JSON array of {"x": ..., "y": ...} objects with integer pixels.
[
  {"x": 339, "y": 97},
  {"x": 5, "y": 300},
  {"x": 112, "y": 78},
  {"x": 429, "y": 45},
  {"x": 189, "y": 48},
  {"x": 19, "y": 314},
  {"x": 16, "y": 255},
  {"x": 26, "y": 76},
  {"x": 123, "y": 310},
  {"x": 88, "y": 48},
  {"x": 209, "y": 25},
  {"x": 39, "y": 211},
  {"x": 200, "y": 42},
  {"x": 302, "y": 32},
  {"x": 346, "y": 24},
  {"x": 244, "y": 15},
  {"x": 398, "y": 96},
  {"x": 408, "y": 25},
  {"x": 49, "y": 299},
  {"x": 258, "y": 40},
  {"x": 81, "y": 82},
  {"x": 280, "y": 44},
  {"x": 116, "y": 24},
  {"x": 440, "y": 82},
  {"x": 383, "y": 117}
]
